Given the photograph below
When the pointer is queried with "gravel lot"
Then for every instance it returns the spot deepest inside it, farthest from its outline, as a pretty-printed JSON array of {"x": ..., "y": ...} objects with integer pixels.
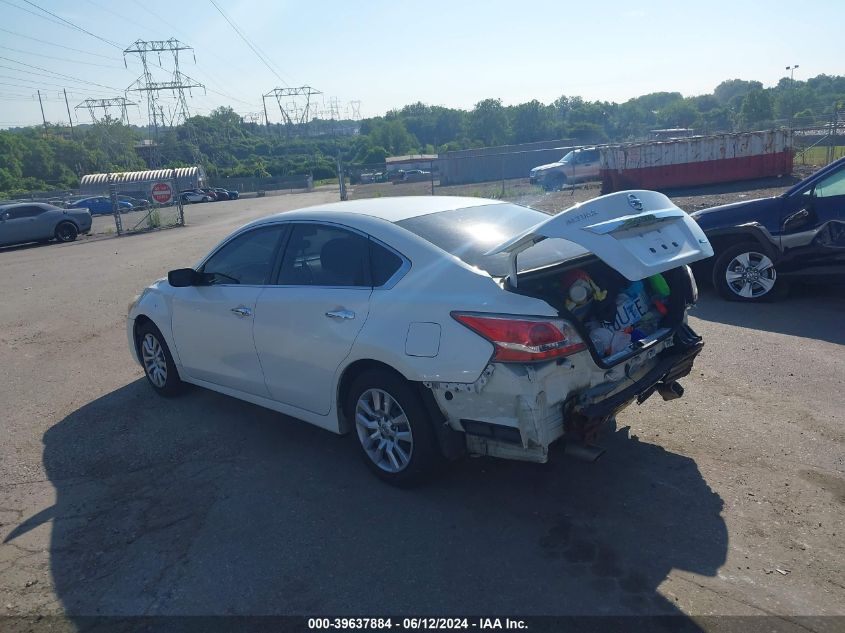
[{"x": 116, "y": 502}]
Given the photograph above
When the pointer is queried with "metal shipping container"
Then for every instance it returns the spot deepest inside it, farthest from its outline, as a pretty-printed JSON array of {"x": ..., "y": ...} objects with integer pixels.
[{"x": 697, "y": 160}]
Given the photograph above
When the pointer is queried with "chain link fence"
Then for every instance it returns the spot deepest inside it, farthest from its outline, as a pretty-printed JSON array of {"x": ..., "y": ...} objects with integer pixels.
[{"x": 124, "y": 207}]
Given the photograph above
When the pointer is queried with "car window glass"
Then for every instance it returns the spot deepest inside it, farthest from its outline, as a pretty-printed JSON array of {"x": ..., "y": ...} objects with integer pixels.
[
  {"x": 833, "y": 185},
  {"x": 25, "y": 212},
  {"x": 247, "y": 259},
  {"x": 320, "y": 255},
  {"x": 471, "y": 232},
  {"x": 383, "y": 263}
]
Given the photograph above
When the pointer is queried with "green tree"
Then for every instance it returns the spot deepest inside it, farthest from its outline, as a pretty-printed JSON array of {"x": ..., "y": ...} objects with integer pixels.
[
  {"x": 756, "y": 108},
  {"x": 488, "y": 122},
  {"x": 530, "y": 122}
]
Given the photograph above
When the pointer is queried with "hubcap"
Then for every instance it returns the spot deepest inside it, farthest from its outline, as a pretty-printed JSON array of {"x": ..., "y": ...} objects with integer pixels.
[
  {"x": 155, "y": 363},
  {"x": 751, "y": 275},
  {"x": 384, "y": 430},
  {"x": 64, "y": 232}
]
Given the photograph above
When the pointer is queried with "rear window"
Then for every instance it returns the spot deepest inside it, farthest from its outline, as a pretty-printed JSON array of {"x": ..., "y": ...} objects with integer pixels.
[{"x": 471, "y": 232}]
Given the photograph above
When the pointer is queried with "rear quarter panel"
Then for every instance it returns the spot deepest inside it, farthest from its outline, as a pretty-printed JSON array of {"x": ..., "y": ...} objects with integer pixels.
[{"x": 437, "y": 285}]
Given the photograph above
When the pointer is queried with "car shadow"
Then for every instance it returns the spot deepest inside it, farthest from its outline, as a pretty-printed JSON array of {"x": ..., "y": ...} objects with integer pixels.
[
  {"x": 810, "y": 311},
  {"x": 207, "y": 505}
]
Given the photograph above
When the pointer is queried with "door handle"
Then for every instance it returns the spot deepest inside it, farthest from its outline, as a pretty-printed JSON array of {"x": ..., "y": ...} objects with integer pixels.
[
  {"x": 242, "y": 311},
  {"x": 340, "y": 314}
]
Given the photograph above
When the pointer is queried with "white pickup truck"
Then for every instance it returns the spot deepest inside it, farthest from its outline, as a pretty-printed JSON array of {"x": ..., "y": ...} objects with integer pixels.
[{"x": 579, "y": 165}]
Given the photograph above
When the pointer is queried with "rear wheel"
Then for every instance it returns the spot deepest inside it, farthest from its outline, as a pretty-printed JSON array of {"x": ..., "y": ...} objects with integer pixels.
[
  {"x": 744, "y": 273},
  {"x": 393, "y": 429},
  {"x": 66, "y": 232}
]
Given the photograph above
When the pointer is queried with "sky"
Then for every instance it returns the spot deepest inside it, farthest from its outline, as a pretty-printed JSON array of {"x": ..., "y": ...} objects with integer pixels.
[{"x": 386, "y": 54}]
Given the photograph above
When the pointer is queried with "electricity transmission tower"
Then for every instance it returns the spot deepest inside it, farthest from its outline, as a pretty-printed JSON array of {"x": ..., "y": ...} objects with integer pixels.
[
  {"x": 334, "y": 109},
  {"x": 354, "y": 110},
  {"x": 294, "y": 105},
  {"x": 92, "y": 105},
  {"x": 177, "y": 84}
]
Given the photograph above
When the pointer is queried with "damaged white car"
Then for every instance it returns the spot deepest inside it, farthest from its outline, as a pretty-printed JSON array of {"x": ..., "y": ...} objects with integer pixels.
[{"x": 436, "y": 326}]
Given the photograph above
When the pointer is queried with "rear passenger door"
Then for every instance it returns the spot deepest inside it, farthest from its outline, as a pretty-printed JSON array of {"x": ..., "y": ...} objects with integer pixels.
[{"x": 307, "y": 321}]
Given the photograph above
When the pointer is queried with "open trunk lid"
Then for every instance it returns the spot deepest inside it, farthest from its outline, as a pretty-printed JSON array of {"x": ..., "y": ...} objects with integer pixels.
[{"x": 638, "y": 233}]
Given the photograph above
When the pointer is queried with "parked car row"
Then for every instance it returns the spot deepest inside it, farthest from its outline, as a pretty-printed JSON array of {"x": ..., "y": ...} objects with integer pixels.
[
  {"x": 102, "y": 205},
  {"x": 205, "y": 194}
]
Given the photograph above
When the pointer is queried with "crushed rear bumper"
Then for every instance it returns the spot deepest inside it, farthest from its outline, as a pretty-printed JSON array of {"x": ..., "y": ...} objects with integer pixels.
[{"x": 517, "y": 411}]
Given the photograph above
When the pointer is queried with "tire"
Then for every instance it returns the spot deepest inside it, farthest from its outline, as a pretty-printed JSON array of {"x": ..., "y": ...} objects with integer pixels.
[
  {"x": 392, "y": 428},
  {"x": 66, "y": 232},
  {"x": 555, "y": 182},
  {"x": 157, "y": 362},
  {"x": 743, "y": 272}
]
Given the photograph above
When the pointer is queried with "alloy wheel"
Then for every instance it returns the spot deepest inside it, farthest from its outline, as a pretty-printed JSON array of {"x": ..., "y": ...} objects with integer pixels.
[
  {"x": 65, "y": 232},
  {"x": 155, "y": 362},
  {"x": 384, "y": 430},
  {"x": 750, "y": 275}
]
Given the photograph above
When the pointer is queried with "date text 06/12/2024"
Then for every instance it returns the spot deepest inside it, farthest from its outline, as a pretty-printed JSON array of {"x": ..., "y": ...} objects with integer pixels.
[{"x": 412, "y": 624}]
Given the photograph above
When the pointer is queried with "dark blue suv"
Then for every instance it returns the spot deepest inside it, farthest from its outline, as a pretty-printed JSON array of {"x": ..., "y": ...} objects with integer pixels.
[{"x": 761, "y": 244}]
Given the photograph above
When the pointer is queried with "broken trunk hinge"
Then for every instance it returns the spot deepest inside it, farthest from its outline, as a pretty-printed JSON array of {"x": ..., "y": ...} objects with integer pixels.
[{"x": 512, "y": 268}]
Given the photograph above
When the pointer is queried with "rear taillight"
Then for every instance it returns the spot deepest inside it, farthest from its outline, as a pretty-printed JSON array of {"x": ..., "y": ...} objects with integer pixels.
[{"x": 523, "y": 339}]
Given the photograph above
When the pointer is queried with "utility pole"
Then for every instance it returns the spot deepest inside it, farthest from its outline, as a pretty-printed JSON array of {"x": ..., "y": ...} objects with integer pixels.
[
  {"x": 791, "y": 70},
  {"x": 43, "y": 118},
  {"x": 69, "y": 118}
]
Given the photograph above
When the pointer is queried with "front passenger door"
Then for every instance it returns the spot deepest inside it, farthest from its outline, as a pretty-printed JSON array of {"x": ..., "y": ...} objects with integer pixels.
[{"x": 213, "y": 322}]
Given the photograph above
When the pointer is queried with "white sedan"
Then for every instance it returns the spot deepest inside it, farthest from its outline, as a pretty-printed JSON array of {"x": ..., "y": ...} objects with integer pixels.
[{"x": 436, "y": 326}]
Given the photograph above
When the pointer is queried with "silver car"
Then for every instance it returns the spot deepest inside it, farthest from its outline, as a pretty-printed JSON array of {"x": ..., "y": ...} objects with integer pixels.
[{"x": 41, "y": 222}]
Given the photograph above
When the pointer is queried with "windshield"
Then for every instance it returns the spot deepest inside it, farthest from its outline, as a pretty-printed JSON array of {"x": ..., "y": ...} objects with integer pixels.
[
  {"x": 568, "y": 158},
  {"x": 470, "y": 233}
]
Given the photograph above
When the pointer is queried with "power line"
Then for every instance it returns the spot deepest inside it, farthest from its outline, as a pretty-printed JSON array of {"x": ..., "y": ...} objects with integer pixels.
[
  {"x": 247, "y": 42},
  {"x": 70, "y": 61},
  {"x": 31, "y": 12},
  {"x": 69, "y": 48},
  {"x": 69, "y": 23},
  {"x": 38, "y": 82},
  {"x": 59, "y": 75}
]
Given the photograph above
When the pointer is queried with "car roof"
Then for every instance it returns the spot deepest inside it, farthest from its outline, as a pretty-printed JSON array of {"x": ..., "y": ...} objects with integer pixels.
[
  {"x": 11, "y": 205},
  {"x": 393, "y": 209}
]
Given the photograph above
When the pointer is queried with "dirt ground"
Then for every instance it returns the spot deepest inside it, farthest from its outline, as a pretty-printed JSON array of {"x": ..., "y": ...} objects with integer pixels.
[{"x": 727, "y": 502}]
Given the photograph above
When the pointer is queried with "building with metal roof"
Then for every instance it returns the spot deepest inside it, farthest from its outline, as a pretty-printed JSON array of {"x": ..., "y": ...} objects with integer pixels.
[{"x": 140, "y": 182}]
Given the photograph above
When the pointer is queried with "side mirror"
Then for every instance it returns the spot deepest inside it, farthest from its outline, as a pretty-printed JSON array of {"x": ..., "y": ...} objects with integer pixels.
[{"x": 182, "y": 277}]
